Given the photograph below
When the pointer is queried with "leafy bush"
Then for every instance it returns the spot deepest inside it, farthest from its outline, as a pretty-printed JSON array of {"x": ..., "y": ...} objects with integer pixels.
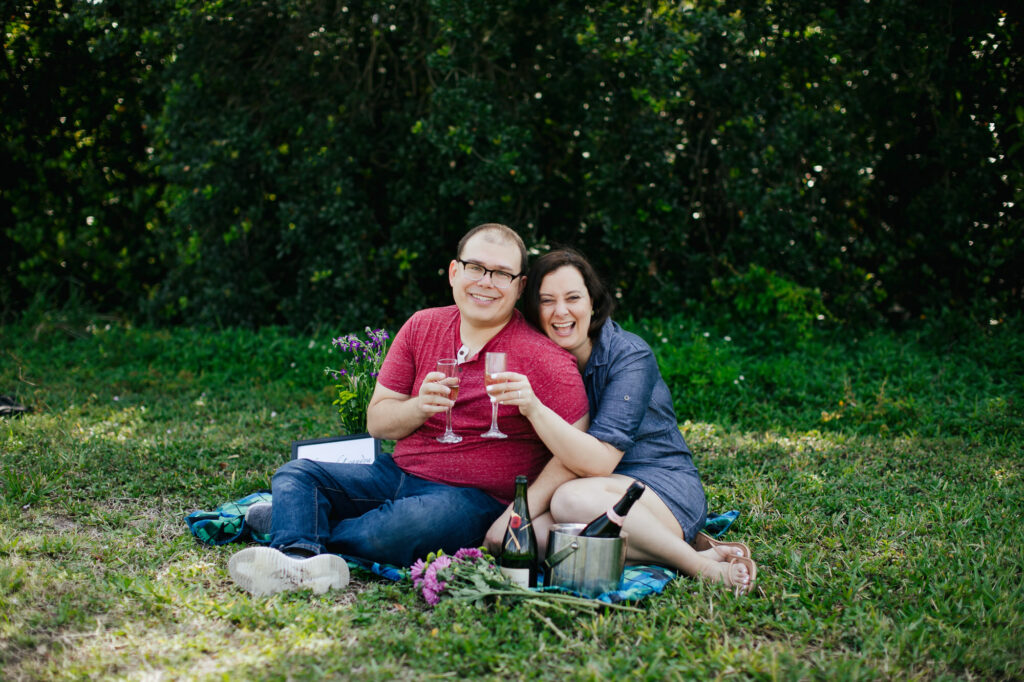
[
  {"x": 78, "y": 199},
  {"x": 308, "y": 162},
  {"x": 770, "y": 308}
]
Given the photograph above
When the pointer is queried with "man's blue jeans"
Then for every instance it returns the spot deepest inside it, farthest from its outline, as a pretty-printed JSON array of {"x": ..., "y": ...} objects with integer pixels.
[{"x": 374, "y": 511}]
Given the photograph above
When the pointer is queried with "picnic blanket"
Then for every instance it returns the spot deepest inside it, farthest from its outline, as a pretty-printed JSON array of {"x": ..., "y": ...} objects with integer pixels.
[{"x": 227, "y": 524}]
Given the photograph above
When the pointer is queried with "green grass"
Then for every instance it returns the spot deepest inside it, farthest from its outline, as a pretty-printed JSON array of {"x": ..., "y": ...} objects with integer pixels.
[{"x": 879, "y": 481}]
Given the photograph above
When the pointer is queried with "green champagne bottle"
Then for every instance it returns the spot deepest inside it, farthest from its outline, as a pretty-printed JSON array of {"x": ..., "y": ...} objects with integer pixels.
[
  {"x": 609, "y": 524},
  {"x": 518, "y": 560}
]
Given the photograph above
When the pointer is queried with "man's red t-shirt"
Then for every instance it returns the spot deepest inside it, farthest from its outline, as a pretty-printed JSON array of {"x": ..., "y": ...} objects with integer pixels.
[{"x": 486, "y": 463}]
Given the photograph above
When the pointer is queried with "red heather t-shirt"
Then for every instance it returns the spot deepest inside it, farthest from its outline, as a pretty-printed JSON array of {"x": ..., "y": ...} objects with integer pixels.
[{"x": 489, "y": 464}]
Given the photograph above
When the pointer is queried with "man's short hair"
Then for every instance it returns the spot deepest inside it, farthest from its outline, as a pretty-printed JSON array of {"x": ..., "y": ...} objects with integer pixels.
[{"x": 505, "y": 234}]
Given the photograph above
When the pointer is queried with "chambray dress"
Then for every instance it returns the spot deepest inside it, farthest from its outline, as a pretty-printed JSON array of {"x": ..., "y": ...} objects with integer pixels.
[{"x": 631, "y": 410}]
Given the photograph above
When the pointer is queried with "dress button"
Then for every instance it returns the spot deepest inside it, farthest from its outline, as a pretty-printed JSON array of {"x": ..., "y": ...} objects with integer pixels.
[{"x": 627, "y": 397}]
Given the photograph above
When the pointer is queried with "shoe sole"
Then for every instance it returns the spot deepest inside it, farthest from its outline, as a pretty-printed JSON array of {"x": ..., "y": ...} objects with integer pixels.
[{"x": 262, "y": 571}]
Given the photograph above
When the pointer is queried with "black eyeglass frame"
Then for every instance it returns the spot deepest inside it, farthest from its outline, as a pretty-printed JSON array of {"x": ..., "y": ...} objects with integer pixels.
[{"x": 488, "y": 271}]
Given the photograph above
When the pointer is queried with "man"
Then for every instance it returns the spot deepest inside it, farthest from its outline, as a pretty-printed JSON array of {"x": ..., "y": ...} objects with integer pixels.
[{"x": 429, "y": 495}]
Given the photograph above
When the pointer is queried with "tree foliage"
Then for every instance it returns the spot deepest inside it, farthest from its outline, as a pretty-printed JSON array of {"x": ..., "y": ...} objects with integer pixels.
[
  {"x": 315, "y": 162},
  {"x": 79, "y": 197}
]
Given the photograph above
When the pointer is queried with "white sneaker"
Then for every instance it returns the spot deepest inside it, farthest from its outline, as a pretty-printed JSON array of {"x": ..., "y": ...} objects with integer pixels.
[{"x": 264, "y": 570}]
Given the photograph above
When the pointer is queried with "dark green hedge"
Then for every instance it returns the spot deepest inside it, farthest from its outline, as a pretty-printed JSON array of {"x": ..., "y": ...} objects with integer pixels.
[{"x": 242, "y": 163}]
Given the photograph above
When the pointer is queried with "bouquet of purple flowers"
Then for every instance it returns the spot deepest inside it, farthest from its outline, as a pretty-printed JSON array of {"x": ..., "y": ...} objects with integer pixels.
[
  {"x": 455, "y": 576},
  {"x": 472, "y": 575}
]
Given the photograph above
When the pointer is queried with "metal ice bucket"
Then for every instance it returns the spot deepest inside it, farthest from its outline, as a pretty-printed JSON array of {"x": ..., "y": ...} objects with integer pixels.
[{"x": 590, "y": 566}]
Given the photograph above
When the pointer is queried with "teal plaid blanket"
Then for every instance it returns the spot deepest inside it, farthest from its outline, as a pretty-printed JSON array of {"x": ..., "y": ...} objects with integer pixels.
[
  {"x": 227, "y": 524},
  {"x": 637, "y": 582}
]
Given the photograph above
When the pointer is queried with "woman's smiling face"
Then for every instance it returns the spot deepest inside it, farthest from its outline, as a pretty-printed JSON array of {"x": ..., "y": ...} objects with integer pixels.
[{"x": 566, "y": 309}]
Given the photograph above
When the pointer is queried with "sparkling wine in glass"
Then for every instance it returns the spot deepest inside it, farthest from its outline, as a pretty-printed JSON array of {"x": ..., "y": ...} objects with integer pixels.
[
  {"x": 494, "y": 363},
  {"x": 450, "y": 368}
]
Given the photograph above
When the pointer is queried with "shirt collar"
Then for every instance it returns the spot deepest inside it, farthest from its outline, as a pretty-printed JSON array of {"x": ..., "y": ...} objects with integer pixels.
[
  {"x": 463, "y": 354},
  {"x": 601, "y": 351}
]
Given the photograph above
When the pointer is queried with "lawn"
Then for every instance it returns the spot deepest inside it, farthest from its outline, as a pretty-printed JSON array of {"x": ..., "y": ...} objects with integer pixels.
[{"x": 878, "y": 479}]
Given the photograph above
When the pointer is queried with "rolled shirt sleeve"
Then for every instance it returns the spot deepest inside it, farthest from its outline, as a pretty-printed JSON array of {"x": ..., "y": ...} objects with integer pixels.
[{"x": 619, "y": 408}]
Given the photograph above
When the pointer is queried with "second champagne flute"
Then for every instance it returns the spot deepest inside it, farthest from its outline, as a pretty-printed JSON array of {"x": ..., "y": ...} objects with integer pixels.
[
  {"x": 494, "y": 363},
  {"x": 450, "y": 368}
]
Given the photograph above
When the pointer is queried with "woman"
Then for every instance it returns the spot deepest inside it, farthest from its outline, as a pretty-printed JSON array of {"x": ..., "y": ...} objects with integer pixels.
[{"x": 633, "y": 432}]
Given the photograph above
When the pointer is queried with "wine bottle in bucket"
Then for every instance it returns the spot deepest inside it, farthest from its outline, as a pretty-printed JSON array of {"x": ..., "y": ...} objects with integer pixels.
[
  {"x": 609, "y": 524},
  {"x": 518, "y": 559}
]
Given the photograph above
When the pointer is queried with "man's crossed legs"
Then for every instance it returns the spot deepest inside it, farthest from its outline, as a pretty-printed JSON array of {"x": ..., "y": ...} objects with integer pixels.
[{"x": 374, "y": 512}]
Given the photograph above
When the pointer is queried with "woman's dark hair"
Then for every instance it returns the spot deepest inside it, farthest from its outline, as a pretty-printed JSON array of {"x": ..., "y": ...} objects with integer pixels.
[{"x": 548, "y": 263}]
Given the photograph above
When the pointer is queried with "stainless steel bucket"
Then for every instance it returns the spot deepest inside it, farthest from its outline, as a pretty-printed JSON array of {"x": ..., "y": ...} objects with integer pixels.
[{"x": 590, "y": 566}]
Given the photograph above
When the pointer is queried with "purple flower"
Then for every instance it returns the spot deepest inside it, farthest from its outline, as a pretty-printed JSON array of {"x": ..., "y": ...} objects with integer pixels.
[
  {"x": 439, "y": 564},
  {"x": 416, "y": 572},
  {"x": 361, "y": 362},
  {"x": 432, "y": 586},
  {"x": 431, "y": 596},
  {"x": 469, "y": 553}
]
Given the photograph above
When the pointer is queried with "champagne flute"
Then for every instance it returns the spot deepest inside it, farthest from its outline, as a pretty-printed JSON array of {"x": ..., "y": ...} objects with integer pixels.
[
  {"x": 494, "y": 363},
  {"x": 450, "y": 368}
]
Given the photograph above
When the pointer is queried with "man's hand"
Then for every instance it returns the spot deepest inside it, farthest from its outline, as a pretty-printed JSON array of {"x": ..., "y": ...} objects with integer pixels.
[
  {"x": 433, "y": 395},
  {"x": 393, "y": 416}
]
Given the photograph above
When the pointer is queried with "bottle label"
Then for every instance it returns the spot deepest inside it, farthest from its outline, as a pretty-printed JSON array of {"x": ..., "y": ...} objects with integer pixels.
[
  {"x": 614, "y": 518},
  {"x": 518, "y": 576}
]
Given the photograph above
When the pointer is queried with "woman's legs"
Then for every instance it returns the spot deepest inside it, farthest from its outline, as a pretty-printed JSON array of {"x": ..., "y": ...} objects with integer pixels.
[
  {"x": 654, "y": 533},
  {"x": 542, "y": 528}
]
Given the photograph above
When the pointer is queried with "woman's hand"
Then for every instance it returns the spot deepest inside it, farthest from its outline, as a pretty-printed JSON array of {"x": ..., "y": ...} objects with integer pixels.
[
  {"x": 433, "y": 395},
  {"x": 515, "y": 390}
]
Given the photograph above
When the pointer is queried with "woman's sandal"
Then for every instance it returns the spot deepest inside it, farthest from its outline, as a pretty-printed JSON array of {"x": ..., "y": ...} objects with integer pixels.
[
  {"x": 704, "y": 541},
  {"x": 740, "y": 590}
]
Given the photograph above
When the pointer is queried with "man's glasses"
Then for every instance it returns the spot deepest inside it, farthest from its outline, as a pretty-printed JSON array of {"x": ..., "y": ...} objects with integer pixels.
[{"x": 475, "y": 272}]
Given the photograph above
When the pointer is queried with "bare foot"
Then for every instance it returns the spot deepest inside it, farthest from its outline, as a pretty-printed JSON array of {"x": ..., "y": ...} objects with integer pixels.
[
  {"x": 721, "y": 553},
  {"x": 738, "y": 573}
]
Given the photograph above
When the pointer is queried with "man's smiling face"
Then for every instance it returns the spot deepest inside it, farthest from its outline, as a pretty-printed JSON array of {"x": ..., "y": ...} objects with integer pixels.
[{"x": 481, "y": 303}]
